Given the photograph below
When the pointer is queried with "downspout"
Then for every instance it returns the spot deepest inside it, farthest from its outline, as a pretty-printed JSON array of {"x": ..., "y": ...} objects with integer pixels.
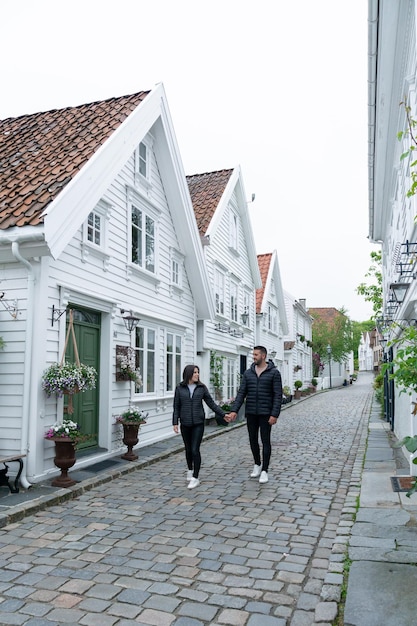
[{"x": 25, "y": 447}]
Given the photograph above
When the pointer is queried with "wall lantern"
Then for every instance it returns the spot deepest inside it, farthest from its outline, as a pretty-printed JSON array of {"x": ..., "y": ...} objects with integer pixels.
[
  {"x": 399, "y": 290},
  {"x": 273, "y": 353},
  {"x": 130, "y": 320},
  {"x": 245, "y": 316}
]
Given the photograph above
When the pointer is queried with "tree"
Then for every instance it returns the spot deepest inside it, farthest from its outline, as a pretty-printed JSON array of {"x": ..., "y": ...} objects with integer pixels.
[
  {"x": 337, "y": 333},
  {"x": 373, "y": 292}
]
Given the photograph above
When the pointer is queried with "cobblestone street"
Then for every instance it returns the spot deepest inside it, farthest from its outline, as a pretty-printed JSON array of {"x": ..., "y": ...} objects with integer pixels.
[{"x": 144, "y": 549}]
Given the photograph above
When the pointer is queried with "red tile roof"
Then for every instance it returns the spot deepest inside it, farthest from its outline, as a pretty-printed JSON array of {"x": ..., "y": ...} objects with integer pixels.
[
  {"x": 42, "y": 152},
  {"x": 264, "y": 261},
  {"x": 206, "y": 191},
  {"x": 327, "y": 315}
]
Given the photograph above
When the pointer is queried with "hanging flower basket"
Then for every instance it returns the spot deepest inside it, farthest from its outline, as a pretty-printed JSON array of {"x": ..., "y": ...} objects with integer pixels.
[{"x": 69, "y": 378}]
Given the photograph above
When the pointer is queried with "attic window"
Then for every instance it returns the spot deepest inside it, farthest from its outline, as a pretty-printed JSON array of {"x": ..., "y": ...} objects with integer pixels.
[
  {"x": 95, "y": 233},
  {"x": 176, "y": 259},
  {"x": 143, "y": 160},
  {"x": 233, "y": 231},
  {"x": 143, "y": 164}
]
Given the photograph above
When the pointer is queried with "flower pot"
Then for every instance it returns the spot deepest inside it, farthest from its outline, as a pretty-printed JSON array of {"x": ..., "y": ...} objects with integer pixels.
[
  {"x": 64, "y": 459},
  {"x": 297, "y": 394},
  {"x": 130, "y": 439}
]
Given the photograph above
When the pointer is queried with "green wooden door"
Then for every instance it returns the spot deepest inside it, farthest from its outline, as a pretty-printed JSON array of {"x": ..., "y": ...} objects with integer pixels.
[{"x": 87, "y": 334}]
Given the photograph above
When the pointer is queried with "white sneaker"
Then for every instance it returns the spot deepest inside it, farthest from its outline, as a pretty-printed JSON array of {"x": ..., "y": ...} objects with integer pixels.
[
  {"x": 189, "y": 475},
  {"x": 256, "y": 471},
  {"x": 194, "y": 482},
  {"x": 263, "y": 478}
]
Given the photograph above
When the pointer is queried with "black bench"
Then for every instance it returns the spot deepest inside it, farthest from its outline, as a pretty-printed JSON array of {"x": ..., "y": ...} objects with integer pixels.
[{"x": 4, "y": 478}]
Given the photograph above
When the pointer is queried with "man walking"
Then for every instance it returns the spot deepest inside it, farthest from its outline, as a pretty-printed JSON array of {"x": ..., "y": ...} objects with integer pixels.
[{"x": 262, "y": 387}]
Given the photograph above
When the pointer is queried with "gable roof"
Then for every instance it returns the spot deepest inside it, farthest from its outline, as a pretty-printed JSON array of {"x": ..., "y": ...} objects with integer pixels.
[
  {"x": 327, "y": 315},
  {"x": 206, "y": 191},
  {"x": 70, "y": 191},
  {"x": 210, "y": 194},
  {"x": 41, "y": 153},
  {"x": 269, "y": 270},
  {"x": 264, "y": 261}
]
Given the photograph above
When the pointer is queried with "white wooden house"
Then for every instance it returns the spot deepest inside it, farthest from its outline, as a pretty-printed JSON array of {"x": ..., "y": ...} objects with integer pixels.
[
  {"x": 224, "y": 346},
  {"x": 392, "y": 85},
  {"x": 271, "y": 317},
  {"x": 369, "y": 351},
  {"x": 96, "y": 216},
  {"x": 297, "y": 342}
]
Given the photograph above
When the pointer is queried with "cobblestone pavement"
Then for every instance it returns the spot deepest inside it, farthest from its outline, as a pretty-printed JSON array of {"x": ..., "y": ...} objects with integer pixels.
[{"x": 143, "y": 549}]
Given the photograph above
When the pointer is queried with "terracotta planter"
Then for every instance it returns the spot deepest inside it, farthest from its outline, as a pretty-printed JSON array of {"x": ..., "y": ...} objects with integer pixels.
[
  {"x": 297, "y": 394},
  {"x": 130, "y": 439},
  {"x": 64, "y": 459}
]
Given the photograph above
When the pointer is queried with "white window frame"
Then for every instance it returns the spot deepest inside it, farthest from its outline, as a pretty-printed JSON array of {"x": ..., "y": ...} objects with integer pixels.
[
  {"x": 231, "y": 379},
  {"x": 173, "y": 377},
  {"x": 176, "y": 271},
  {"x": 145, "y": 356},
  {"x": 144, "y": 180},
  {"x": 233, "y": 231},
  {"x": 103, "y": 211},
  {"x": 152, "y": 213},
  {"x": 219, "y": 291},
  {"x": 234, "y": 301}
]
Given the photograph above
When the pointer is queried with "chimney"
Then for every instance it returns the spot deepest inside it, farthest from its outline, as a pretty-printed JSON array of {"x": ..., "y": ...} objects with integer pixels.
[{"x": 302, "y": 301}]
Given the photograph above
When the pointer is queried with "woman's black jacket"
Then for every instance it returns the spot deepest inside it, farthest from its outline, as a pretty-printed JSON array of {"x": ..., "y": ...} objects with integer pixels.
[
  {"x": 190, "y": 411},
  {"x": 263, "y": 393}
]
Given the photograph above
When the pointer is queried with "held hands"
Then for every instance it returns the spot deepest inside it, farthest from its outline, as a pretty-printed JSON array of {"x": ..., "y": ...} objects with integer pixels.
[{"x": 230, "y": 417}]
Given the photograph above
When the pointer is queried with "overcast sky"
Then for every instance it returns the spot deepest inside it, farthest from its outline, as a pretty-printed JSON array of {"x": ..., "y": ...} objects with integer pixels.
[{"x": 278, "y": 87}]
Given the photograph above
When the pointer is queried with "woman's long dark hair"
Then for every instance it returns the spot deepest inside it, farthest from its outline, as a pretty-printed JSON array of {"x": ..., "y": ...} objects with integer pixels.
[{"x": 188, "y": 373}]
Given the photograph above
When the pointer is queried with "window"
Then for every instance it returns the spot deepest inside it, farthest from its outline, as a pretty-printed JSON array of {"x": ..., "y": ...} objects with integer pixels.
[
  {"x": 272, "y": 318},
  {"x": 176, "y": 260},
  {"x": 230, "y": 378},
  {"x": 175, "y": 274},
  {"x": 145, "y": 358},
  {"x": 143, "y": 239},
  {"x": 233, "y": 301},
  {"x": 173, "y": 361},
  {"x": 94, "y": 228},
  {"x": 233, "y": 231},
  {"x": 143, "y": 160},
  {"x": 219, "y": 292},
  {"x": 94, "y": 241}
]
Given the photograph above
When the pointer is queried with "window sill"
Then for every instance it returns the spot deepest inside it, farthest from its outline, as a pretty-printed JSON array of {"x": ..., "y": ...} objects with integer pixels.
[
  {"x": 89, "y": 249},
  {"x": 135, "y": 270}
]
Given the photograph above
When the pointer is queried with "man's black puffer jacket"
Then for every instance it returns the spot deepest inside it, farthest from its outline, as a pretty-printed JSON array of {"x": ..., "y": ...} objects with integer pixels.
[
  {"x": 263, "y": 393},
  {"x": 190, "y": 411}
]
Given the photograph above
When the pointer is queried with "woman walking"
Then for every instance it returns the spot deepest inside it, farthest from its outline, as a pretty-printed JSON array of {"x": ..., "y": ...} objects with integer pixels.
[{"x": 189, "y": 412}]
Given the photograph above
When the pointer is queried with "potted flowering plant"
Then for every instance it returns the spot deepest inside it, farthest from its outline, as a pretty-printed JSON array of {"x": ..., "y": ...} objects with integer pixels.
[
  {"x": 65, "y": 435},
  {"x": 126, "y": 361},
  {"x": 131, "y": 420},
  {"x": 67, "y": 429}
]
